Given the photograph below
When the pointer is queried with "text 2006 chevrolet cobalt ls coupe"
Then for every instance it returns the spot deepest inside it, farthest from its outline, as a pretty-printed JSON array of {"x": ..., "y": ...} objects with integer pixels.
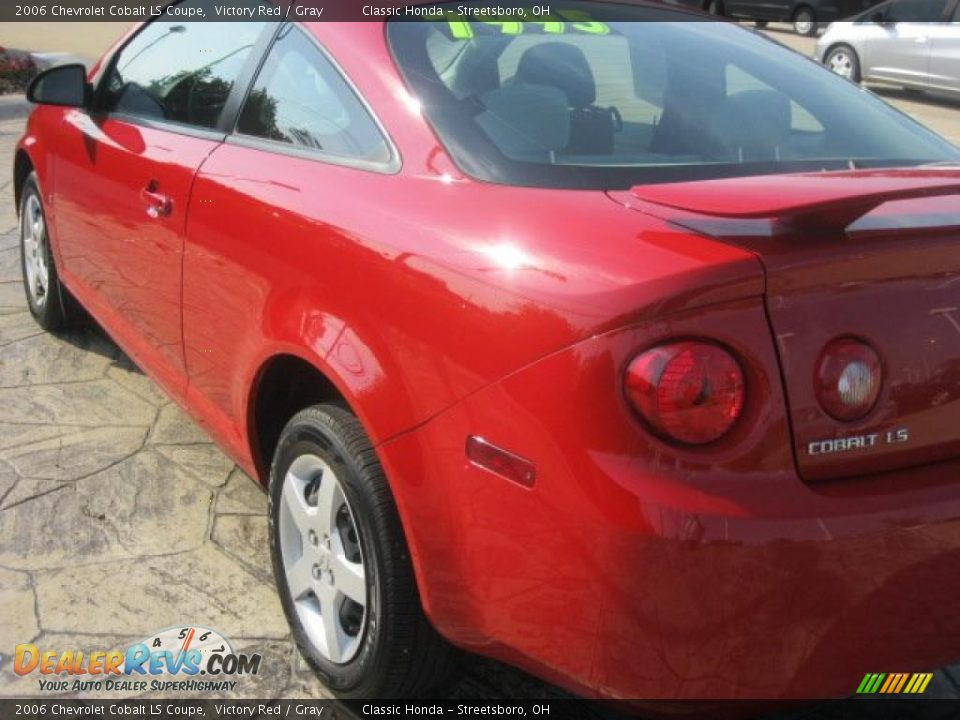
[{"x": 626, "y": 352}]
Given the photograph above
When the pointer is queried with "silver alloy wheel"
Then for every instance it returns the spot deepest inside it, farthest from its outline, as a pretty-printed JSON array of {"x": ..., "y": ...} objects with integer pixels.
[
  {"x": 33, "y": 233},
  {"x": 841, "y": 63},
  {"x": 803, "y": 23},
  {"x": 322, "y": 562}
]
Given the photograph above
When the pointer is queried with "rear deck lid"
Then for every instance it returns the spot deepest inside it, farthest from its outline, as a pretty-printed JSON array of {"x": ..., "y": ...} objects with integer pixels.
[{"x": 873, "y": 256}]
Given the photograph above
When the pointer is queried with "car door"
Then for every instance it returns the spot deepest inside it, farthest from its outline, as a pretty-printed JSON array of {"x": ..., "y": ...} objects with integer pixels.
[
  {"x": 124, "y": 173},
  {"x": 273, "y": 222},
  {"x": 945, "y": 53},
  {"x": 900, "y": 51},
  {"x": 759, "y": 9}
]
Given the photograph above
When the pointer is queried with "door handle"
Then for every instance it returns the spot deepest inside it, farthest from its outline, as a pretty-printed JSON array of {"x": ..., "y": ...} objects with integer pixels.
[{"x": 158, "y": 204}]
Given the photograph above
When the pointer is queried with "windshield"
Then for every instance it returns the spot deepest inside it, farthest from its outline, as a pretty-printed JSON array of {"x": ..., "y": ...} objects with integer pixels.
[{"x": 608, "y": 104}]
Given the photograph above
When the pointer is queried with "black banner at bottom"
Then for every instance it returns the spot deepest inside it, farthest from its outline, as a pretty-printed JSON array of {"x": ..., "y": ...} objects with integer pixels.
[{"x": 467, "y": 709}]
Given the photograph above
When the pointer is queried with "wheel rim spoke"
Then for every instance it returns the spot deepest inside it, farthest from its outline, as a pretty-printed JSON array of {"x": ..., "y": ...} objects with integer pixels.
[
  {"x": 350, "y": 579},
  {"x": 295, "y": 500},
  {"x": 41, "y": 274},
  {"x": 329, "y": 498},
  {"x": 334, "y": 637},
  {"x": 300, "y": 577}
]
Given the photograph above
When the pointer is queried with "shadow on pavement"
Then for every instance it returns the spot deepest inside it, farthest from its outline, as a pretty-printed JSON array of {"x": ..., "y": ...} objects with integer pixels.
[{"x": 918, "y": 96}]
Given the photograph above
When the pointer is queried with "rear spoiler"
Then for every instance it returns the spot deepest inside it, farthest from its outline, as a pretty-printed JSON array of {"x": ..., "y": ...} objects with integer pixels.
[{"x": 823, "y": 201}]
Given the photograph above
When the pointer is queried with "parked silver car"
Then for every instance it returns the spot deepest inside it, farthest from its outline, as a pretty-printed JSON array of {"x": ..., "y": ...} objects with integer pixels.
[{"x": 911, "y": 43}]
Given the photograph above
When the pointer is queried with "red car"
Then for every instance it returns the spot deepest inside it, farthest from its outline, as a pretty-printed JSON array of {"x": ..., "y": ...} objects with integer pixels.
[{"x": 621, "y": 347}]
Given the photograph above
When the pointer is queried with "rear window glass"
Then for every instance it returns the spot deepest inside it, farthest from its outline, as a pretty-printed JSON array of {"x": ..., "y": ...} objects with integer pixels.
[
  {"x": 915, "y": 11},
  {"x": 598, "y": 103}
]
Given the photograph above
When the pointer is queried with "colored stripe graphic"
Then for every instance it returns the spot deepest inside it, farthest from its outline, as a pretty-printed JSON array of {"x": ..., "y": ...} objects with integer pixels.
[
  {"x": 901, "y": 682},
  {"x": 894, "y": 683},
  {"x": 891, "y": 681}
]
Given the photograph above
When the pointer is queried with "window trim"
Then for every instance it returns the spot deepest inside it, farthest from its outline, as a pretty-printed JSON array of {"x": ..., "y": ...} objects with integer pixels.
[
  {"x": 390, "y": 166},
  {"x": 217, "y": 133},
  {"x": 201, "y": 133}
]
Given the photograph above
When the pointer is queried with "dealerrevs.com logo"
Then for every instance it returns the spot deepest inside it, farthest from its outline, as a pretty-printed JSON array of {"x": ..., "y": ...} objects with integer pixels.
[{"x": 172, "y": 659}]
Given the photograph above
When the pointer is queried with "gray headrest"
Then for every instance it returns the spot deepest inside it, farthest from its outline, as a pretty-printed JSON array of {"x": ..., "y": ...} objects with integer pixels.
[
  {"x": 752, "y": 123},
  {"x": 526, "y": 122},
  {"x": 562, "y": 66}
]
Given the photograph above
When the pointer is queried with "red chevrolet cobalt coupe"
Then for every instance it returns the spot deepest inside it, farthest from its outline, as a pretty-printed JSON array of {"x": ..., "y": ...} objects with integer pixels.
[{"x": 622, "y": 347}]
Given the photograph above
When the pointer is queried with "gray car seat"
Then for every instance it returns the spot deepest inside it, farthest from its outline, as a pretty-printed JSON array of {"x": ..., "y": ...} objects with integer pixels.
[
  {"x": 565, "y": 67},
  {"x": 752, "y": 125},
  {"x": 526, "y": 122}
]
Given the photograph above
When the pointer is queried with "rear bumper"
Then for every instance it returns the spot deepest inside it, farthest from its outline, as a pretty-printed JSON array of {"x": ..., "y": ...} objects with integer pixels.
[
  {"x": 728, "y": 607},
  {"x": 626, "y": 572}
]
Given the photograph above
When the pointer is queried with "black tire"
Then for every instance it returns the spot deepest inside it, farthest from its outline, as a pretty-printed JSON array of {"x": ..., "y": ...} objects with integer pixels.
[
  {"x": 760, "y": 23},
  {"x": 399, "y": 654},
  {"x": 51, "y": 308},
  {"x": 844, "y": 50},
  {"x": 805, "y": 21}
]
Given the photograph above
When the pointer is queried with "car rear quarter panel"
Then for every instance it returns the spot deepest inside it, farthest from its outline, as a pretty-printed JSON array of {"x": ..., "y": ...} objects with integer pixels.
[
  {"x": 415, "y": 289},
  {"x": 411, "y": 292}
]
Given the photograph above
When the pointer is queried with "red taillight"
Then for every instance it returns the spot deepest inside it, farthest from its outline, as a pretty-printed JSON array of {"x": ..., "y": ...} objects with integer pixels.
[
  {"x": 848, "y": 379},
  {"x": 687, "y": 391}
]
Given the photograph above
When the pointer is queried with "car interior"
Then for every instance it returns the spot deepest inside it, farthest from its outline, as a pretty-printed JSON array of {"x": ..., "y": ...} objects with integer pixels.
[{"x": 567, "y": 99}]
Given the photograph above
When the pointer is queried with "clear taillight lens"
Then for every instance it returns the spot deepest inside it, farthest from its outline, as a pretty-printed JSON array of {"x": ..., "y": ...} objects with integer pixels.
[
  {"x": 848, "y": 379},
  {"x": 687, "y": 391}
]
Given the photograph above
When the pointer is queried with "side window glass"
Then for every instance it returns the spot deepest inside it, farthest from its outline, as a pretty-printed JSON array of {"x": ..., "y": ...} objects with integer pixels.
[
  {"x": 180, "y": 71},
  {"x": 300, "y": 99},
  {"x": 916, "y": 11}
]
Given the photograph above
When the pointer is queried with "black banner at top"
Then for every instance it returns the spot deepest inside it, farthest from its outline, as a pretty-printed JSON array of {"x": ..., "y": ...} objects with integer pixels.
[{"x": 324, "y": 10}]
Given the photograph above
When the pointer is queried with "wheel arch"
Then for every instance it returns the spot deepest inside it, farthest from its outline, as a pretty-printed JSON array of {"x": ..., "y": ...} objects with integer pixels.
[
  {"x": 284, "y": 384},
  {"x": 22, "y": 167}
]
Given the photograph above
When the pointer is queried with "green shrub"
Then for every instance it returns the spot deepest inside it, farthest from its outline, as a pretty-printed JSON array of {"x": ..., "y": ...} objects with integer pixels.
[{"x": 16, "y": 71}]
